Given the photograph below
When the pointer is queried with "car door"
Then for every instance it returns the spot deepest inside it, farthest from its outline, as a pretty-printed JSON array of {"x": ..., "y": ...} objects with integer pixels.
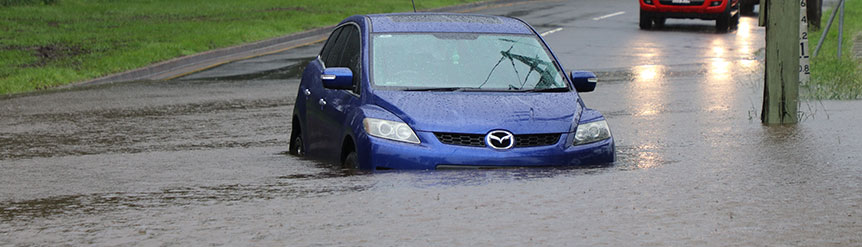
[
  {"x": 315, "y": 134},
  {"x": 338, "y": 102}
]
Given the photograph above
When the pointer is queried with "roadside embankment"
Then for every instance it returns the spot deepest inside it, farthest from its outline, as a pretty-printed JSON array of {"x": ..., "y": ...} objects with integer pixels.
[
  {"x": 45, "y": 44},
  {"x": 833, "y": 77}
]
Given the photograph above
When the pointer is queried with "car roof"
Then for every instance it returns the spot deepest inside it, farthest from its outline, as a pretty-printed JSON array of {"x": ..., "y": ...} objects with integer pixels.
[{"x": 446, "y": 22}]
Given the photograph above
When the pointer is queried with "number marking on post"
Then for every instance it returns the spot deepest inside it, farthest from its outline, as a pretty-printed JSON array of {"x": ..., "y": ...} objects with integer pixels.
[{"x": 804, "y": 63}]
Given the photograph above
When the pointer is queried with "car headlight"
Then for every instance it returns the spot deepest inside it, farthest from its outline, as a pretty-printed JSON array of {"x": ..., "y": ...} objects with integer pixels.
[
  {"x": 592, "y": 132},
  {"x": 396, "y": 131}
]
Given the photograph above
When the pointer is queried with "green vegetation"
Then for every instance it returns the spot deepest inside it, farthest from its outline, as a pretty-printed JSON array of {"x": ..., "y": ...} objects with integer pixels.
[
  {"x": 46, "y": 43},
  {"x": 6, "y": 3},
  {"x": 831, "y": 77}
]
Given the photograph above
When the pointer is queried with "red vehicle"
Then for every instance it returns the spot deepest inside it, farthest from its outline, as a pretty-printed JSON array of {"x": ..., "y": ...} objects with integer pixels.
[{"x": 724, "y": 12}]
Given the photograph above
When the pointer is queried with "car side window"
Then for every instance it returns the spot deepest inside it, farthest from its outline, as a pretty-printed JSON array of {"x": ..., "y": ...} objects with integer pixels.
[
  {"x": 334, "y": 57},
  {"x": 351, "y": 56},
  {"x": 328, "y": 47}
]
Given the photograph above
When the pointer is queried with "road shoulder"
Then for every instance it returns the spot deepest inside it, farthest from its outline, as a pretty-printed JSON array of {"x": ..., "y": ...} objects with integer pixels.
[{"x": 190, "y": 64}]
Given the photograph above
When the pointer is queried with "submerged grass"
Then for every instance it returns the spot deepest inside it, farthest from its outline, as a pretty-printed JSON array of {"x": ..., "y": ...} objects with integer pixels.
[
  {"x": 48, "y": 43},
  {"x": 833, "y": 77}
]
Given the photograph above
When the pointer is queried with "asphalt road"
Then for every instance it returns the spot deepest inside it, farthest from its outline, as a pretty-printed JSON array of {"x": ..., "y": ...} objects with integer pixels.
[{"x": 200, "y": 160}]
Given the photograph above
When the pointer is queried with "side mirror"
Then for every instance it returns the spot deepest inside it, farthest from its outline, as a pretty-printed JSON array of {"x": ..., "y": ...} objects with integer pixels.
[
  {"x": 584, "y": 81},
  {"x": 337, "y": 78}
]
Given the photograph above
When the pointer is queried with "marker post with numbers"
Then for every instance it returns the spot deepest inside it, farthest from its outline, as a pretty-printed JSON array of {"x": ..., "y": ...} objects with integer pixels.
[{"x": 804, "y": 65}]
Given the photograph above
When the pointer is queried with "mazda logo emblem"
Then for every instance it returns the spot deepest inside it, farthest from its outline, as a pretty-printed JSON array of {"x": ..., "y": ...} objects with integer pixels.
[{"x": 500, "y": 139}]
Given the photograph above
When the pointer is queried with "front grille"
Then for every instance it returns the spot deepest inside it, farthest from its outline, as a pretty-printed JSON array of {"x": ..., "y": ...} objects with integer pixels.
[
  {"x": 477, "y": 140},
  {"x": 472, "y": 140},
  {"x": 536, "y": 140},
  {"x": 690, "y": 3}
]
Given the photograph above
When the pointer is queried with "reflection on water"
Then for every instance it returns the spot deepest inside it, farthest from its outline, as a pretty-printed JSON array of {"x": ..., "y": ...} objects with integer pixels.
[
  {"x": 718, "y": 47},
  {"x": 648, "y": 73},
  {"x": 643, "y": 156},
  {"x": 745, "y": 40},
  {"x": 646, "y": 94},
  {"x": 648, "y": 160},
  {"x": 730, "y": 58},
  {"x": 717, "y": 64},
  {"x": 744, "y": 30},
  {"x": 719, "y": 69},
  {"x": 719, "y": 90}
]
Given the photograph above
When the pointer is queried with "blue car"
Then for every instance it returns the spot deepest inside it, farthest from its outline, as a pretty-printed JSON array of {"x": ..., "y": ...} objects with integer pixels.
[{"x": 438, "y": 90}]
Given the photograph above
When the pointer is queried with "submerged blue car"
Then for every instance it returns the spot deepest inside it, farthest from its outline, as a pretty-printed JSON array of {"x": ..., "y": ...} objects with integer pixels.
[{"x": 440, "y": 90}]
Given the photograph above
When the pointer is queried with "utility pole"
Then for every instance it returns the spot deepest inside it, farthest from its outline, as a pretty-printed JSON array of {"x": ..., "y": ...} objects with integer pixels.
[
  {"x": 781, "y": 90},
  {"x": 815, "y": 11}
]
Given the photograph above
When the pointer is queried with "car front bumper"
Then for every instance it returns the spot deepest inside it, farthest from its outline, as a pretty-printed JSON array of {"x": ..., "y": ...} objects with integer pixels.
[
  {"x": 432, "y": 154},
  {"x": 678, "y": 11}
]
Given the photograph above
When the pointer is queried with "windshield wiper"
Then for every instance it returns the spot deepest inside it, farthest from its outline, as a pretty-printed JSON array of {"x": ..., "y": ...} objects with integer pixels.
[
  {"x": 495, "y": 66},
  {"x": 533, "y": 63}
]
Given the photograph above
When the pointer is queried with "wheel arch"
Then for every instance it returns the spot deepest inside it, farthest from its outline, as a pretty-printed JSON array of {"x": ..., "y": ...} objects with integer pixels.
[
  {"x": 296, "y": 131},
  {"x": 348, "y": 145},
  {"x": 295, "y": 125}
]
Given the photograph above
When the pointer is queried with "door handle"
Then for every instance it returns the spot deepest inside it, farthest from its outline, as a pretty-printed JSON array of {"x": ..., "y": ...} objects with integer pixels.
[
  {"x": 322, "y": 102},
  {"x": 307, "y": 92}
]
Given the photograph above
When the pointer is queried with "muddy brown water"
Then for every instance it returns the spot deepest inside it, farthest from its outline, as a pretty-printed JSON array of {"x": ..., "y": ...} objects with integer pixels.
[{"x": 201, "y": 161}]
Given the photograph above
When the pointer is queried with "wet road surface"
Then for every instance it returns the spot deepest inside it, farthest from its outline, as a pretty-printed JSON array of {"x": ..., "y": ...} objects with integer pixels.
[{"x": 200, "y": 160}]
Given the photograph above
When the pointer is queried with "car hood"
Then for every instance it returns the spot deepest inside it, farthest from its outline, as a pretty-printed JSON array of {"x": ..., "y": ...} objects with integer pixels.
[{"x": 481, "y": 112}]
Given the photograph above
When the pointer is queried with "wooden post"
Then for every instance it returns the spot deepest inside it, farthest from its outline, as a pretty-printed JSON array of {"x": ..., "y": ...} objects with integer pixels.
[
  {"x": 781, "y": 90},
  {"x": 815, "y": 11}
]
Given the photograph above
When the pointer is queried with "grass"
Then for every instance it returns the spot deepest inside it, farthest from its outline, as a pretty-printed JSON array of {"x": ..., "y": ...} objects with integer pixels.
[
  {"x": 6, "y": 3},
  {"x": 831, "y": 77},
  {"x": 48, "y": 43}
]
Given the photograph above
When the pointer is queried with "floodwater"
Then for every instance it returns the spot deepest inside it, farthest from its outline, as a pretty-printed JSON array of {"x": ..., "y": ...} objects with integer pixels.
[{"x": 201, "y": 160}]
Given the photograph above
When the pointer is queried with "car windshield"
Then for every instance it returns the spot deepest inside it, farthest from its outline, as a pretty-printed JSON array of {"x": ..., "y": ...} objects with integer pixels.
[{"x": 463, "y": 61}]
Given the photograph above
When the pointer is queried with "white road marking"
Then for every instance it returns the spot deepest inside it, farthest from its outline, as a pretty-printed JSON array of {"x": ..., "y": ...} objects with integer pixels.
[
  {"x": 609, "y": 15},
  {"x": 552, "y": 31}
]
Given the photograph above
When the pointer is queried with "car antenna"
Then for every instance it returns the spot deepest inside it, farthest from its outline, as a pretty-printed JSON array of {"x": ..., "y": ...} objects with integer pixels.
[{"x": 414, "y": 5}]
